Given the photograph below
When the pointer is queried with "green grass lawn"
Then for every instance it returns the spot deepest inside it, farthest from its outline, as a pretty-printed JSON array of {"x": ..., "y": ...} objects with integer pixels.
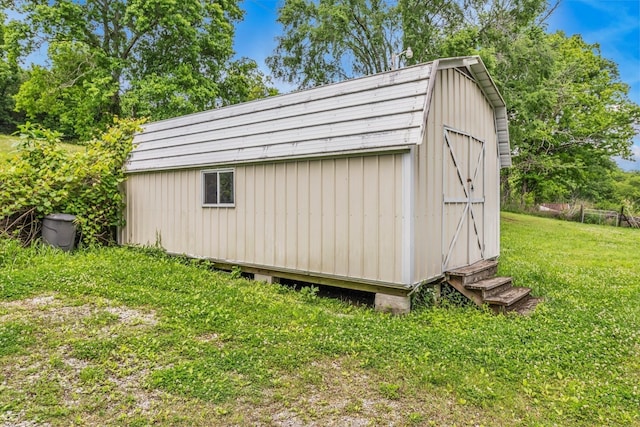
[
  {"x": 8, "y": 149},
  {"x": 117, "y": 336}
]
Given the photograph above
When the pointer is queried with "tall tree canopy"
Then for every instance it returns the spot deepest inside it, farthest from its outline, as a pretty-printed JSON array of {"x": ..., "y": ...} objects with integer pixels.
[
  {"x": 569, "y": 114},
  {"x": 569, "y": 111},
  {"x": 627, "y": 189},
  {"x": 332, "y": 40},
  {"x": 329, "y": 40},
  {"x": 11, "y": 75},
  {"x": 157, "y": 58}
]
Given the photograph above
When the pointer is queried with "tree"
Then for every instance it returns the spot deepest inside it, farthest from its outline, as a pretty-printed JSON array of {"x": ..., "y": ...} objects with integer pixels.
[
  {"x": 332, "y": 40},
  {"x": 73, "y": 96},
  {"x": 329, "y": 40},
  {"x": 569, "y": 113},
  {"x": 627, "y": 190},
  {"x": 11, "y": 76},
  {"x": 167, "y": 96},
  {"x": 160, "y": 58}
]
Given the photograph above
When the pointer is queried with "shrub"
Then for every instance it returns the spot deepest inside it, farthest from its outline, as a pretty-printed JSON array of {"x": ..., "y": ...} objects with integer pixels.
[{"x": 45, "y": 178}]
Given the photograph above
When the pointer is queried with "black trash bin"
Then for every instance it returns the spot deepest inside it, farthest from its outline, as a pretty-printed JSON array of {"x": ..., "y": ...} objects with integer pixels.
[{"x": 59, "y": 230}]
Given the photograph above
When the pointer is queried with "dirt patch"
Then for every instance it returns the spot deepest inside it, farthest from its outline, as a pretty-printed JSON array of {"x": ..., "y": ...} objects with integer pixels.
[
  {"x": 17, "y": 419},
  {"x": 213, "y": 339},
  {"x": 330, "y": 392},
  {"x": 133, "y": 317},
  {"x": 340, "y": 393},
  {"x": 25, "y": 305},
  {"x": 50, "y": 371},
  {"x": 55, "y": 310}
]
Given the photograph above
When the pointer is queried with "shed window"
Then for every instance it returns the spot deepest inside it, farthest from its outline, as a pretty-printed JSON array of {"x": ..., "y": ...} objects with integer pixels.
[{"x": 218, "y": 187}]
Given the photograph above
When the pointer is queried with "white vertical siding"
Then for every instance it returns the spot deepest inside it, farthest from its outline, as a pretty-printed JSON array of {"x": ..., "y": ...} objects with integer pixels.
[
  {"x": 340, "y": 217},
  {"x": 341, "y": 229},
  {"x": 354, "y": 192},
  {"x": 356, "y": 224},
  {"x": 459, "y": 103}
]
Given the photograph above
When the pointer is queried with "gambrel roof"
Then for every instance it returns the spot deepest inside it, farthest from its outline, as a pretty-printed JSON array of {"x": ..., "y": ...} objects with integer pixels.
[{"x": 382, "y": 112}]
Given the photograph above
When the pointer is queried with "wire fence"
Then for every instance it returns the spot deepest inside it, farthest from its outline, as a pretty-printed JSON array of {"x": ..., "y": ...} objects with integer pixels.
[{"x": 608, "y": 217}]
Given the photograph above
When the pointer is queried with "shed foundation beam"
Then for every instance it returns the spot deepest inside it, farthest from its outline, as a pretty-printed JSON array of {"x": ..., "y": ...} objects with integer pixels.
[{"x": 392, "y": 303}]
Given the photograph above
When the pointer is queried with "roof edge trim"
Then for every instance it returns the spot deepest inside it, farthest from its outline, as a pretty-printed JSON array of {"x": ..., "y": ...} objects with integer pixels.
[
  {"x": 316, "y": 156},
  {"x": 427, "y": 101}
]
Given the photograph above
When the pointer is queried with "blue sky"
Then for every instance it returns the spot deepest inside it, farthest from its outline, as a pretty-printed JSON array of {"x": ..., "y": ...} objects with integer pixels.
[{"x": 613, "y": 24}]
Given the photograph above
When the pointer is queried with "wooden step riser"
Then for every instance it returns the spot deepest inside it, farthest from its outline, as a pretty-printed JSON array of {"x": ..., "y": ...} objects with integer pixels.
[
  {"x": 522, "y": 294},
  {"x": 475, "y": 277},
  {"x": 525, "y": 305},
  {"x": 505, "y": 296},
  {"x": 478, "y": 295},
  {"x": 513, "y": 307},
  {"x": 490, "y": 286},
  {"x": 495, "y": 291},
  {"x": 497, "y": 308}
]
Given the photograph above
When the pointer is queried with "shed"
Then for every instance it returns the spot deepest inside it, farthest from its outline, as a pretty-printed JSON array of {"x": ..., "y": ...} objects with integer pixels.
[{"x": 380, "y": 183}]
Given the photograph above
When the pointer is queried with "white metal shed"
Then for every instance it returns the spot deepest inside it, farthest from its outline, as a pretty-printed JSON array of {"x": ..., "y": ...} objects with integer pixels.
[{"x": 379, "y": 183}]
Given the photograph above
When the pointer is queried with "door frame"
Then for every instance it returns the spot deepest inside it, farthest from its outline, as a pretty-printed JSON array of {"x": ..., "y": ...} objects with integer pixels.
[{"x": 469, "y": 200}]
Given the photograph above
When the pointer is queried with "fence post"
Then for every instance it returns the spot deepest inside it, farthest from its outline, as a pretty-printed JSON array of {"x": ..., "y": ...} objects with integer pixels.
[
  {"x": 621, "y": 215},
  {"x": 581, "y": 213}
]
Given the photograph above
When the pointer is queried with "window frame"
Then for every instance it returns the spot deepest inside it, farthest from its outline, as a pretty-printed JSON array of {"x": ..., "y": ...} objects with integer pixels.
[{"x": 203, "y": 174}]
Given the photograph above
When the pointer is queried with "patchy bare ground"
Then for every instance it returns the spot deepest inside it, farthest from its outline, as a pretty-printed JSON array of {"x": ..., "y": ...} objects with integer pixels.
[
  {"x": 339, "y": 393},
  {"x": 58, "y": 386}
]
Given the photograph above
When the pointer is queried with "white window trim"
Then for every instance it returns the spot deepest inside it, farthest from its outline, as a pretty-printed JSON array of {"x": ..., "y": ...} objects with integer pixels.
[{"x": 202, "y": 195}]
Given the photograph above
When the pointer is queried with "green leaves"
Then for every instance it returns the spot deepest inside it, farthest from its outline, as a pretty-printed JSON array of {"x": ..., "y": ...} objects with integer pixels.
[
  {"x": 75, "y": 95},
  {"x": 45, "y": 178},
  {"x": 11, "y": 76},
  {"x": 329, "y": 40},
  {"x": 569, "y": 114},
  {"x": 157, "y": 59},
  {"x": 568, "y": 110}
]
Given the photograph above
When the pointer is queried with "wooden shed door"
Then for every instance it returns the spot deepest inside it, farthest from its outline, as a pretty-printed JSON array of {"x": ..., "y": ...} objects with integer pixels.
[{"x": 463, "y": 199}]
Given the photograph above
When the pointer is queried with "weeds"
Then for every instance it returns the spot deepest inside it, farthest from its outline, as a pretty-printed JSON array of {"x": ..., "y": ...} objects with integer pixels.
[
  {"x": 309, "y": 293},
  {"x": 424, "y": 297},
  {"x": 236, "y": 272}
]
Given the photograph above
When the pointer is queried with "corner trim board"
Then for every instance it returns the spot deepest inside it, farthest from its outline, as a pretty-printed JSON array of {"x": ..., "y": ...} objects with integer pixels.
[{"x": 408, "y": 206}]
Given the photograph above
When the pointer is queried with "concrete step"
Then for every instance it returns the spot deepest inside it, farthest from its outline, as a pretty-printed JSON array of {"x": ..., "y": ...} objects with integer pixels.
[
  {"x": 491, "y": 286},
  {"x": 508, "y": 297},
  {"x": 474, "y": 272}
]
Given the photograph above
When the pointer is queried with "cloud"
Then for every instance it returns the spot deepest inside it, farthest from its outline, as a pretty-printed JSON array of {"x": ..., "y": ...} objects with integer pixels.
[
  {"x": 627, "y": 165},
  {"x": 634, "y": 163},
  {"x": 614, "y": 25}
]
